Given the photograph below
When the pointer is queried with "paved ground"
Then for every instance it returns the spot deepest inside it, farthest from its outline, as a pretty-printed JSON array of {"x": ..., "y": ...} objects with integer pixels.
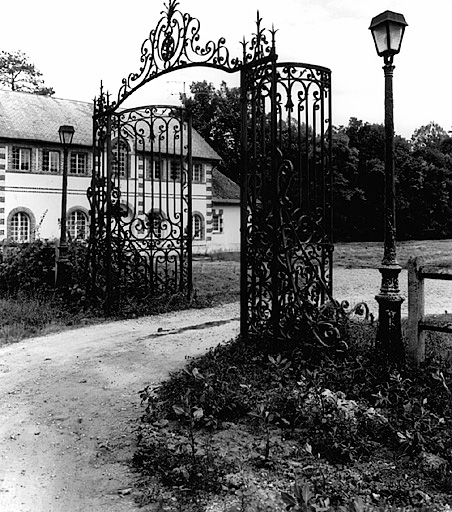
[{"x": 69, "y": 402}]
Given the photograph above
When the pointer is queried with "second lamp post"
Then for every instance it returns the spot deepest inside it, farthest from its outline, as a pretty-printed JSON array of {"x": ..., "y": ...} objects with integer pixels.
[
  {"x": 387, "y": 30},
  {"x": 66, "y": 134}
]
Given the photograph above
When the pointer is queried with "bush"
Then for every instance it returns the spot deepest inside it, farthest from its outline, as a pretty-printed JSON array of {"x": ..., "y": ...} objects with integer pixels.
[{"x": 30, "y": 268}]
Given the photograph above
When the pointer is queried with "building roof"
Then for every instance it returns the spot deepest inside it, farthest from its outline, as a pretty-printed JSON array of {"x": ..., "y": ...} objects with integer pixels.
[
  {"x": 224, "y": 190},
  {"x": 33, "y": 117},
  {"x": 37, "y": 118}
]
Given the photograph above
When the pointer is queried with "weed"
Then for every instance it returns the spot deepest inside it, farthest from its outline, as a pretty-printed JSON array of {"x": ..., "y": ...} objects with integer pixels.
[{"x": 355, "y": 434}]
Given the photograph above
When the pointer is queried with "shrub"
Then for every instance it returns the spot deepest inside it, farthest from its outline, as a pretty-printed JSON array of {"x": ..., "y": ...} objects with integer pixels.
[{"x": 30, "y": 268}]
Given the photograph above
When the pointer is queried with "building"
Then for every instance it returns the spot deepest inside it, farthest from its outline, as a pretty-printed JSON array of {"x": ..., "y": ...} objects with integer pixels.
[{"x": 31, "y": 162}]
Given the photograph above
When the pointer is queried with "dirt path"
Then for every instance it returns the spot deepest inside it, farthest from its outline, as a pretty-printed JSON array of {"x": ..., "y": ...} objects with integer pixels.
[{"x": 69, "y": 403}]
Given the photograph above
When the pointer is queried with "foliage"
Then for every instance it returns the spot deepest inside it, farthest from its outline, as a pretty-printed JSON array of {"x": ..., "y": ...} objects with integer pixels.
[
  {"x": 30, "y": 268},
  {"x": 352, "y": 433},
  {"x": 430, "y": 135},
  {"x": 19, "y": 74},
  {"x": 31, "y": 304},
  {"x": 216, "y": 116},
  {"x": 27, "y": 268},
  {"x": 423, "y": 169}
]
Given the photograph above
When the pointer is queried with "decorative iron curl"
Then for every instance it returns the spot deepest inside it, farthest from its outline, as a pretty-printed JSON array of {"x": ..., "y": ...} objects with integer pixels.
[
  {"x": 360, "y": 311},
  {"x": 174, "y": 44},
  {"x": 324, "y": 321}
]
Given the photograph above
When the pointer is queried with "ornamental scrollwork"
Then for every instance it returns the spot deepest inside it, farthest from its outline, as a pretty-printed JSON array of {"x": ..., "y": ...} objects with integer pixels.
[{"x": 175, "y": 43}]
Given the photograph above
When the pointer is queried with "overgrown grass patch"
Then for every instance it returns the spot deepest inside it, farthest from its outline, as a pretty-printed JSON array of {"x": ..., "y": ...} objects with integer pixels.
[
  {"x": 30, "y": 305},
  {"x": 216, "y": 281},
  {"x": 28, "y": 315},
  {"x": 247, "y": 428}
]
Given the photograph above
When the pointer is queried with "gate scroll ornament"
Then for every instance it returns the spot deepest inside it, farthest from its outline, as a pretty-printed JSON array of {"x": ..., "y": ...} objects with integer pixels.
[{"x": 141, "y": 230}]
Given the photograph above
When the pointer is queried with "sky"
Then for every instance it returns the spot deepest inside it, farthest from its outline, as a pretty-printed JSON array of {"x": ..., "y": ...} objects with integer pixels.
[{"x": 77, "y": 45}]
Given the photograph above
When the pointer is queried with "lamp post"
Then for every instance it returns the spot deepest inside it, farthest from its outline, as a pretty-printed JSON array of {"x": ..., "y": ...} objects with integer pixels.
[
  {"x": 66, "y": 133},
  {"x": 387, "y": 31}
]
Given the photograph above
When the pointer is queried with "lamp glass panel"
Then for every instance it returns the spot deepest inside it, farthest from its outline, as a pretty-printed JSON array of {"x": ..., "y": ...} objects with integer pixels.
[
  {"x": 66, "y": 134},
  {"x": 395, "y": 35},
  {"x": 67, "y": 137},
  {"x": 380, "y": 37}
]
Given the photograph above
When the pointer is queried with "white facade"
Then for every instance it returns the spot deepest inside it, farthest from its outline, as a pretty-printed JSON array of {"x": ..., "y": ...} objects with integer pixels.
[
  {"x": 31, "y": 163},
  {"x": 225, "y": 231}
]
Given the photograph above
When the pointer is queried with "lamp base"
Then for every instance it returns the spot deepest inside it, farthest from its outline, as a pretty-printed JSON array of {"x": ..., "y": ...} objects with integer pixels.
[{"x": 389, "y": 339}]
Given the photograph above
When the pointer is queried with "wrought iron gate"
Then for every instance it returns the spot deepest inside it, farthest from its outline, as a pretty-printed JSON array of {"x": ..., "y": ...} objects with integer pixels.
[
  {"x": 141, "y": 213},
  {"x": 141, "y": 203},
  {"x": 286, "y": 200}
]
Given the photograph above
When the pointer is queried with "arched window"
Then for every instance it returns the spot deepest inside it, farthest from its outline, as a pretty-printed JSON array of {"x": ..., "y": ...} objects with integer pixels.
[
  {"x": 20, "y": 227},
  {"x": 77, "y": 225},
  {"x": 198, "y": 227}
]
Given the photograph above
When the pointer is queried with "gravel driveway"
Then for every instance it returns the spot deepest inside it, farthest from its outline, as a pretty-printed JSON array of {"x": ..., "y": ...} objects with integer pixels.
[
  {"x": 356, "y": 285},
  {"x": 69, "y": 401}
]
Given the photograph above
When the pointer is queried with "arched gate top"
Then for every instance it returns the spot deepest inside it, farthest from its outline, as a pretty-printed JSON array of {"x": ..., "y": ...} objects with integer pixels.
[{"x": 174, "y": 44}]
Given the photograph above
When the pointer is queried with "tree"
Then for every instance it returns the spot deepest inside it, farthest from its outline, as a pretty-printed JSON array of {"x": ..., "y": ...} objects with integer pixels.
[
  {"x": 348, "y": 197},
  {"x": 430, "y": 135},
  {"x": 216, "y": 116},
  {"x": 19, "y": 74}
]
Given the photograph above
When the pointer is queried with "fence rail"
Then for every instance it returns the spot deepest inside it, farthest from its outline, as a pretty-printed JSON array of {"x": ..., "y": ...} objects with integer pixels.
[{"x": 418, "y": 323}]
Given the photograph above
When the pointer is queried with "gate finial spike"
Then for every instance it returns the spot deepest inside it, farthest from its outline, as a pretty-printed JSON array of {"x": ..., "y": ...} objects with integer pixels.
[{"x": 273, "y": 33}]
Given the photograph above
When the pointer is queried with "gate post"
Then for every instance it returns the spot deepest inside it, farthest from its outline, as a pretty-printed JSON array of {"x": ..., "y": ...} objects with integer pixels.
[
  {"x": 108, "y": 255},
  {"x": 189, "y": 206},
  {"x": 243, "y": 208},
  {"x": 416, "y": 306}
]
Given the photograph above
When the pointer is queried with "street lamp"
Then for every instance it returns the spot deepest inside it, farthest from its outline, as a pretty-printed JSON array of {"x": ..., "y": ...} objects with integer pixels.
[
  {"x": 66, "y": 133},
  {"x": 387, "y": 31}
]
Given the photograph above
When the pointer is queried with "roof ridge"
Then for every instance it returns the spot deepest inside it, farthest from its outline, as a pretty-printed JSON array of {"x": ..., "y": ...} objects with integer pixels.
[{"x": 41, "y": 96}]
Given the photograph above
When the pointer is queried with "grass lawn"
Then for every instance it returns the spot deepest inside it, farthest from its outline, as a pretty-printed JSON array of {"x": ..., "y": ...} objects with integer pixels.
[{"x": 369, "y": 254}]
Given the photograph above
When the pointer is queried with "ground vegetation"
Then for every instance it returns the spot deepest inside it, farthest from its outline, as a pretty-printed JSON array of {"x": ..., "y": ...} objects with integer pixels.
[
  {"x": 250, "y": 427},
  {"x": 31, "y": 305}
]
